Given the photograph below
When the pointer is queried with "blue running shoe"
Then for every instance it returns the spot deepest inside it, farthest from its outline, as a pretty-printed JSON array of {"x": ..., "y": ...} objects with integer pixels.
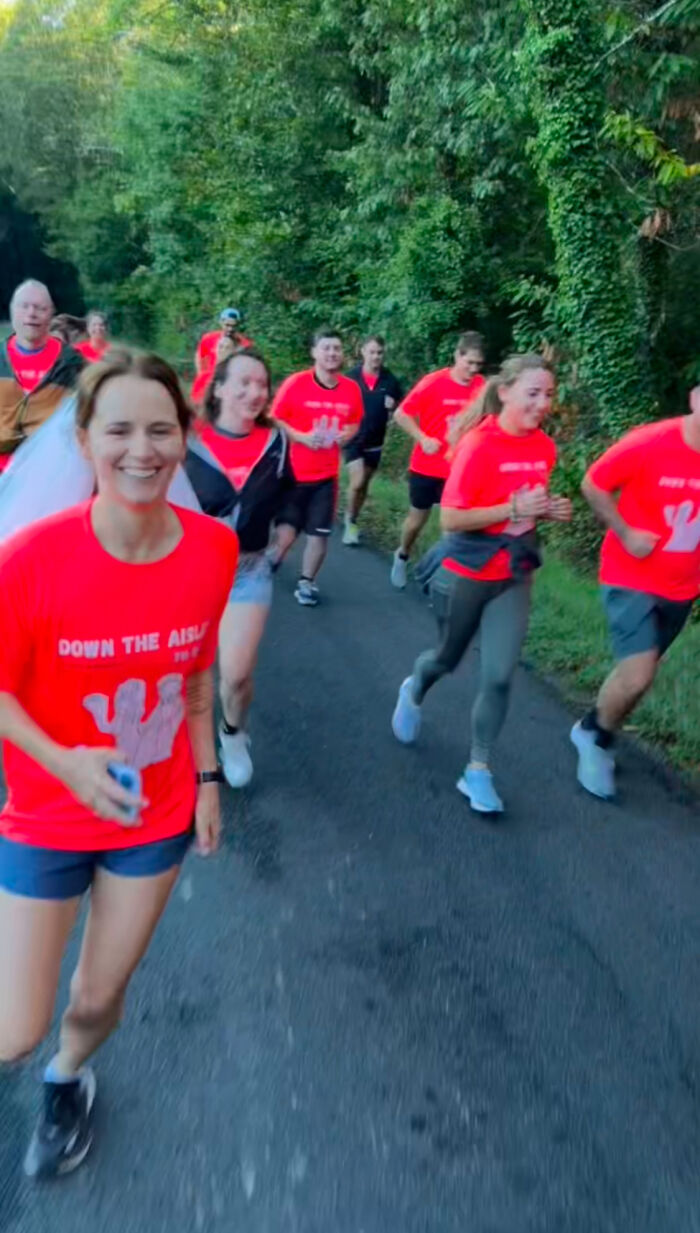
[
  {"x": 405, "y": 722},
  {"x": 477, "y": 785},
  {"x": 596, "y": 766}
]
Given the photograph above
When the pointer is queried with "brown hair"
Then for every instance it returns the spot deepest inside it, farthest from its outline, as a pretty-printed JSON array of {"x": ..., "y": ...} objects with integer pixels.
[
  {"x": 325, "y": 331},
  {"x": 70, "y": 329},
  {"x": 376, "y": 338},
  {"x": 489, "y": 403},
  {"x": 122, "y": 362},
  {"x": 212, "y": 402},
  {"x": 470, "y": 341}
]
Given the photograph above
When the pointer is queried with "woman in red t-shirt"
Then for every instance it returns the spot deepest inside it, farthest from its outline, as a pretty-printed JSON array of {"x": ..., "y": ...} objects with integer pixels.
[
  {"x": 497, "y": 490},
  {"x": 238, "y": 465},
  {"x": 225, "y": 347},
  {"x": 106, "y": 715},
  {"x": 97, "y": 341}
]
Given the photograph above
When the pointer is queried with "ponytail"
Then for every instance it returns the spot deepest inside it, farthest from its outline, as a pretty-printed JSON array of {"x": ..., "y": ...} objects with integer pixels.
[{"x": 489, "y": 402}]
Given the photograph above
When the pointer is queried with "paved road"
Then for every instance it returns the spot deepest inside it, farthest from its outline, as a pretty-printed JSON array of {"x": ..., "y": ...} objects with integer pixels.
[{"x": 375, "y": 1013}]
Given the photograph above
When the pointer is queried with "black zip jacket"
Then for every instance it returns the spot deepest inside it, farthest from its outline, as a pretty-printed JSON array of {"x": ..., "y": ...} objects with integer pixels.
[
  {"x": 372, "y": 430},
  {"x": 250, "y": 510}
]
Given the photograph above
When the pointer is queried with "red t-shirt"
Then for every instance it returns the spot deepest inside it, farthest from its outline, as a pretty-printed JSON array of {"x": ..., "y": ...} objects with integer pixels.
[
  {"x": 236, "y": 455},
  {"x": 97, "y": 652},
  {"x": 434, "y": 402},
  {"x": 370, "y": 379},
  {"x": 489, "y": 466},
  {"x": 305, "y": 404},
  {"x": 206, "y": 348},
  {"x": 31, "y": 367},
  {"x": 201, "y": 384},
  {"x": 657, "y": 475},
  {"x": 90, "y": 351}
]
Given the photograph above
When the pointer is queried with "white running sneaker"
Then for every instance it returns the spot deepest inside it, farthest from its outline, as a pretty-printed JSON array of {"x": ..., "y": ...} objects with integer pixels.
[
  {"x": 476, "y": 783},
  {"x": 399, "y": 571},
  {"x": 596, "y": 766},
  {"x": 236, "y": 762},
  {"x": 406, "y": 720},
  {"x": 351, "y": 535},
  {"x": 306, "y": 593}
]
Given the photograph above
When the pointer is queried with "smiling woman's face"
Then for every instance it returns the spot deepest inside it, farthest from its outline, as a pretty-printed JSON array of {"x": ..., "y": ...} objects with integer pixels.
[
  {"x": 96, "y": 327},
  {"x": 528, "y": 400},
  {"x": 134, "y": 440}
]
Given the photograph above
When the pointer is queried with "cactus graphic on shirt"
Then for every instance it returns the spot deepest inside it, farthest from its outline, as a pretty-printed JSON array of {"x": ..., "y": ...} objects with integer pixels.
[
  {"x": 144, "y": 740},
  {"x": 685, "y": 529}
]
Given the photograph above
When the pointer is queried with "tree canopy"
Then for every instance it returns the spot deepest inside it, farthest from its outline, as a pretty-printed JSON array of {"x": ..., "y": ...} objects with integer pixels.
[{"x": 527, "y": 168}]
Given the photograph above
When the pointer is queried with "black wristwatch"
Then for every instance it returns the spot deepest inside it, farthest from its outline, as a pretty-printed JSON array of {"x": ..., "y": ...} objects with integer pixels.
[{"x": 210, "y": 776}]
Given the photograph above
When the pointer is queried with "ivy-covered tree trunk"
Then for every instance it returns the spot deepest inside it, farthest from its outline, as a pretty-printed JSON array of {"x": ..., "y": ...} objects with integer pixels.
[{"x": 598, "y": 301}]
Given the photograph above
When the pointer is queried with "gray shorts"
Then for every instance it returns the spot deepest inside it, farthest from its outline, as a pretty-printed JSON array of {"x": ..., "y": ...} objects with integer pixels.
[
  {"x": 253, "y": 581},
  {"x": 641, "y": 622}
]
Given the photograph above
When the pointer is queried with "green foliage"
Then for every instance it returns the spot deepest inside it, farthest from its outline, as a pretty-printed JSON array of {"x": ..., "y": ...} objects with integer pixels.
[
  {"x": 390, "y": 164},
  {"x": 668, "y": 166},
  {"x": 597, "y": 306}
]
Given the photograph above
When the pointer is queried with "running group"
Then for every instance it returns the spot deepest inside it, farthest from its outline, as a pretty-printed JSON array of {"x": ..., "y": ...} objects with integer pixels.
[{"x": 125, "y": 600}]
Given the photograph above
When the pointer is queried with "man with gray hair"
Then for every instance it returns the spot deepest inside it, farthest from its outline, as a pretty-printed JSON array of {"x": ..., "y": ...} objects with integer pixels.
[{"x": 37, "y": 369}]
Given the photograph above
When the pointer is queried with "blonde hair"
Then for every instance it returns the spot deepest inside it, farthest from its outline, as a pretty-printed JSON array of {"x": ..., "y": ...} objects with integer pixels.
[{"x": 489, "y": 402}]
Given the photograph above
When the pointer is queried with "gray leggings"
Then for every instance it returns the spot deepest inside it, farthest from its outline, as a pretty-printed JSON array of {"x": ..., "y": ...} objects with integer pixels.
[{"x": 463, "y": 605}]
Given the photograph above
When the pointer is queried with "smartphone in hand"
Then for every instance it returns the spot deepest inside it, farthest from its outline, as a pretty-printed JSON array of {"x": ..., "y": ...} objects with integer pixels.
[{"x": 129, "y": 778}]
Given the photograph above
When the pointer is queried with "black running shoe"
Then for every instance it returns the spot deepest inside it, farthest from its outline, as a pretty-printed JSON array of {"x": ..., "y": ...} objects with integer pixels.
[{"x": 63, "y": 1136}]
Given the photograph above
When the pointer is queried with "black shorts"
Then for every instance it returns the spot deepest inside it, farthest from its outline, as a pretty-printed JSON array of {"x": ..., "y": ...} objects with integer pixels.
[
  {"x": 424, "y": 491},
  {"x": 310, "y": 507},
  {"x": 371, "y": 455},
  {"x": 641, "y": 622}
]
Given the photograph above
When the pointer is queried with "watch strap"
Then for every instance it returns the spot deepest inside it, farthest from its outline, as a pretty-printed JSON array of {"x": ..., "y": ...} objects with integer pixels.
[{"x": 210, "y": 776}]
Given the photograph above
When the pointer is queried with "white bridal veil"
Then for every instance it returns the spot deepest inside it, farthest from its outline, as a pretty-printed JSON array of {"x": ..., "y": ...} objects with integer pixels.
[{"x": 48, "y": 474}]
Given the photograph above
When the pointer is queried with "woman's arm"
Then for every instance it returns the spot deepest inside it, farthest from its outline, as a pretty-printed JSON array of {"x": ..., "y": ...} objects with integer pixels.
[
  {"x": 473, "y": 519},
  {"x": 528, "y": 503},
  {"x": 82, "y": 769},
  {"x": 199, "y": 705}
]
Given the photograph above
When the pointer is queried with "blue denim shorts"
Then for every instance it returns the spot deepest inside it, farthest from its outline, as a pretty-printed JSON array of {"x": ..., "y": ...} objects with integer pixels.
[
  {"x": 253, "y": 581},
  {"x": 46, "y": 873}
]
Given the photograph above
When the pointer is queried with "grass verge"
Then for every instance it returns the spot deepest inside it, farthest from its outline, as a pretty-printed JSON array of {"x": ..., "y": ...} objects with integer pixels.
[{"x": 568, "y": 640}]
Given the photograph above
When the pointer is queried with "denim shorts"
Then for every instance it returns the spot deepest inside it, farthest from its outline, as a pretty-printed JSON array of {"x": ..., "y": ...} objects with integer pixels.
[
  {"x": 253, "y": 581},
  {"x": 47, "y": 873}
]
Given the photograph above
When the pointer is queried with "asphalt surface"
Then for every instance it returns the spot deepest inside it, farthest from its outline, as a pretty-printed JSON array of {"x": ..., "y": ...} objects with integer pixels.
[{"x": 376, "y": 1013}]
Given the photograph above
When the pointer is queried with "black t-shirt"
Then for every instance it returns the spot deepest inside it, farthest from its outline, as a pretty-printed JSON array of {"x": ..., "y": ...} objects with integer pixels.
[{"x": 376, "y": 413}]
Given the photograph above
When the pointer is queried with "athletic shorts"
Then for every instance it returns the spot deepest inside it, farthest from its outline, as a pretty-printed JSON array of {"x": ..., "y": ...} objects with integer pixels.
[
  {"x": 424, "y": 491},
  {"x": 641, "y": 622},
  {"x": 310, "y": 507},
  {"x": 370, "y": 455},
  {"x": 46, "y": 873},
  {"x": 253, "y": 581}
]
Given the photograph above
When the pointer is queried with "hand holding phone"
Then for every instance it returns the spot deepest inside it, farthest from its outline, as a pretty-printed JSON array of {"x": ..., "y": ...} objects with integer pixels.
[
  {"x": 109, "y": 788},
  {"x": 129, "y": 779}
]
